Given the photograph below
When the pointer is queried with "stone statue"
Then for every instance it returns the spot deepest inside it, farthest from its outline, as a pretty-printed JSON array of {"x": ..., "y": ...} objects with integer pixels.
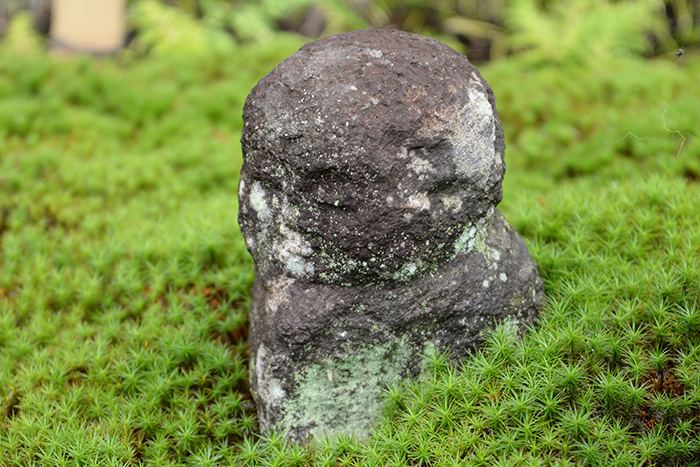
[{"x": 373, "y": 163}]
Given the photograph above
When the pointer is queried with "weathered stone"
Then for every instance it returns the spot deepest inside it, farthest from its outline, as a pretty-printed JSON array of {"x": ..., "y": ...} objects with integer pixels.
[{"x": 373, "y": 163}]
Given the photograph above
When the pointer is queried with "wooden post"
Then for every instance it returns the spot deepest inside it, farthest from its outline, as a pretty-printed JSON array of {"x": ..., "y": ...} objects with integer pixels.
[{"x": 92, "y": 26}]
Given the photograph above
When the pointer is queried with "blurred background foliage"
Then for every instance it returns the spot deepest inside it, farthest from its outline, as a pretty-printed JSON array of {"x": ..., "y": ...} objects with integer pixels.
[
  {"x": 484, "y": 30},
  {"x": 583, "y": 86}
]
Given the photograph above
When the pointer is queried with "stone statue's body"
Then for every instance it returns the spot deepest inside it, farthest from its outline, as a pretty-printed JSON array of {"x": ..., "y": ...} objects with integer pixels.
[{"x": 373, "y": 163}]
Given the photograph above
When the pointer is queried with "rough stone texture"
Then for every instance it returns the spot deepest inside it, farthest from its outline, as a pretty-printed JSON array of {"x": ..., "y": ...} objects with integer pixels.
[{"x": 373, "y": 163}]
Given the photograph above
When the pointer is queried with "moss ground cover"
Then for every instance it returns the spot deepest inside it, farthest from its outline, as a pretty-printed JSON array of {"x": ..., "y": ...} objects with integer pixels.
[{"x": 124, "y": 280}]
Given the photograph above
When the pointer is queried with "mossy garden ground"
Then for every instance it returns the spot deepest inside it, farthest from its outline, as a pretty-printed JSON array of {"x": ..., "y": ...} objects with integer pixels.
[{"x": 124, "y": 281}]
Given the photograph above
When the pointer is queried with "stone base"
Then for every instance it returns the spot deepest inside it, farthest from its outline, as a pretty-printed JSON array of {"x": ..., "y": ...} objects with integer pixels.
[{"x": 321, "y": 354}]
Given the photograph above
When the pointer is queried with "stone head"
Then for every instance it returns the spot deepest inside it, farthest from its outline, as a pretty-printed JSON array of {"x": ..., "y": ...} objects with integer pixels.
[{"x": 367, "y": 158}]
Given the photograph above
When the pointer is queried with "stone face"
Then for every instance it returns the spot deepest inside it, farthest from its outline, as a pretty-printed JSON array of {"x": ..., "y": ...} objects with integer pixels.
[{"x": 373, "y": 163}]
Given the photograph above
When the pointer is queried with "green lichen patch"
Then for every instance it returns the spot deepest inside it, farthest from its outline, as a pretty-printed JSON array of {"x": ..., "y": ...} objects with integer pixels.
[
  {"x": 343, "y": 394},
  {"x": 473, "y": 237}
]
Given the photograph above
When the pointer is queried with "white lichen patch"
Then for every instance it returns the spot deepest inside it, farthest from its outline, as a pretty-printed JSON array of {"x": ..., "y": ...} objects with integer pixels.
[
  {"x": 275, "y": 239},
  {"x": 291, "y": 251},
  {"x": 503, "y": 277},
  {"x": 276, "y": 391},
  {"x": 493, "y": 255},
  {"x": 421, "y": 166},
  {"x": 419, "y": 201},
  {"x": 453, "y": 203},
  {"x": 475, "y": 136},
  {"x": 375, "y": 53},
  {"x": 277, "y": 293},
  {"x": 269, "y": 388},
  {"x": 259, "y": 202},
  {"x": 300, "y": 268}
]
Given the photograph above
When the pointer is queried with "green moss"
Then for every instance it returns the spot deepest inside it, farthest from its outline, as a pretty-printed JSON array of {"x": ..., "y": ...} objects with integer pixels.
[{"x": 124, "y": 280}]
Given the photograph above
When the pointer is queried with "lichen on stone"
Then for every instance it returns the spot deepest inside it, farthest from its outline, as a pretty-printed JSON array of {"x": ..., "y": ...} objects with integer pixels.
[
  {"x": 335, "y": 395},
  {"x": 258, "y": 201}
]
